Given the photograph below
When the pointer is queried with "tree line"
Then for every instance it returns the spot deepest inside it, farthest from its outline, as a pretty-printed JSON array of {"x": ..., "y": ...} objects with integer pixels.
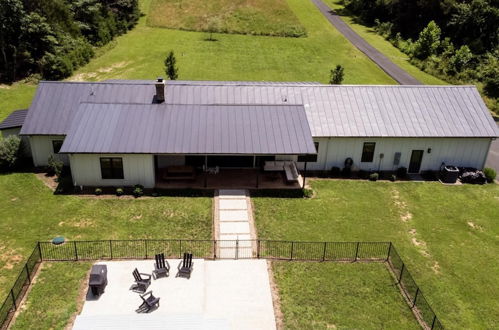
[
  {"x": 456, "y": 40},
  {"x": 52, "y": 38}
]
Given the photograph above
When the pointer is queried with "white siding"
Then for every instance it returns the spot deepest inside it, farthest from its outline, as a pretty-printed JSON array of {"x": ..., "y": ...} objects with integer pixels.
[
  {"x": 470, "y": 152},
  {"x": 137, "y": 169},
  {"x": 41, "y": 147}
]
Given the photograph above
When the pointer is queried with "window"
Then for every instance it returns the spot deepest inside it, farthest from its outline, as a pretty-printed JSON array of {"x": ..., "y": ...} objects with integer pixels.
[
  {"x": 56, "y": 145},
  {"x": 310, "y": 158},
  {"x": 111, "y": 168},
  {"x": 368, "y": 152}
]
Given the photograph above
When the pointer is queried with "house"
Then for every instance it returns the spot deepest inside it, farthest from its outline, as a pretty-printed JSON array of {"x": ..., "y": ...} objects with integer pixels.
[{"x": 121, "y": 133}]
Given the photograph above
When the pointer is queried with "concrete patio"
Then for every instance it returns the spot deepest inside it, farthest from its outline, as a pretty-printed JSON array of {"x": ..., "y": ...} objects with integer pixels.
[{"x": 223, "y": 294}]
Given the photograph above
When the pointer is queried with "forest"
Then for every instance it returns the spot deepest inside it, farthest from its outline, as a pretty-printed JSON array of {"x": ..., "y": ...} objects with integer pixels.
[
  {"x": 456, "y": 40},
  {"x": 52, "y": 38}
]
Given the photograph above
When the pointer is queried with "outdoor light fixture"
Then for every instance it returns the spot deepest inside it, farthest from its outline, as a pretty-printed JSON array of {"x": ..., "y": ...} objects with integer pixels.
[{"x": 429, "y": 150}]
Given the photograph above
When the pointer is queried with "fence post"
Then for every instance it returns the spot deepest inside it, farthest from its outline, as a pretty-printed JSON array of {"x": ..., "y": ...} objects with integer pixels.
[
  {"x": 13, "y": 299},
  {"x": 180, "y": 249},
  {"x": 433, "y": 322},
  {"x": 76, "y": 251},
  {"x": 415, "y": 297},
  {"x": 292, "y": 249},
  {"x": 258, "y": 249},
  {"x": 357, "y": 251},
  {"x": 145, "y": 243},
  {"x": 324, "y": 252},
  {"x": 27, "y": 273},
  {"x": 389, "y": 251},
  {"x": 237, "y": 248},
  {"x": 215, "y": 249},
  {"x": 111, "y": 248},
  {"x": 401, "y": 272},
  {"x": 40, "y": 251}
]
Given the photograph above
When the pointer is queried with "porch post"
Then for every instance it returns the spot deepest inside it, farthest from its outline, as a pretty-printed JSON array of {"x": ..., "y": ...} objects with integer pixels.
[
  {"x": 304, "y": 175},
  {"x": 257, "y": 178},
  {"x": 206, "y": 171}
]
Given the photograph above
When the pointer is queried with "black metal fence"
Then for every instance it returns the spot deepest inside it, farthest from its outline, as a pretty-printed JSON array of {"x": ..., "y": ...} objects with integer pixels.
[
  {"x": 18, "y": 290},
  {"x": 222, "y": 249},
  {"x": 412, "y": 292}
]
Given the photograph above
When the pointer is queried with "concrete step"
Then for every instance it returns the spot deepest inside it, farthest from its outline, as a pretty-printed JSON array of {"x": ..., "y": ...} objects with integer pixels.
[
  {"x": 234, "y": 228},
  {"x": 232, "y": 193},
  {"x": 231, "y": 215},
  {"x": 232, "y": 204}
]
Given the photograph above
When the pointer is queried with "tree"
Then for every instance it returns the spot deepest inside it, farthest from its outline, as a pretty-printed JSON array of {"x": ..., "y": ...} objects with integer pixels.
[
  {"x": 9, "y": 151},
  {"x": 461, "y": 59},
  {"x": 171, "y": 66},
  {"x": 337, "y": 75},
  {"x": 213, "y": 26},
  {"x": 428, "y": 41}
]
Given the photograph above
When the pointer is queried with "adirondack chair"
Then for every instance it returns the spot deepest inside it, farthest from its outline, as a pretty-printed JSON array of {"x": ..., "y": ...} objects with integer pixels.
[
  {"x": 185, "y": 266},
  {"x": 149, "y": 302},
  {"x": 161, "y": 266},
  {"x": 142, "y": 281}
]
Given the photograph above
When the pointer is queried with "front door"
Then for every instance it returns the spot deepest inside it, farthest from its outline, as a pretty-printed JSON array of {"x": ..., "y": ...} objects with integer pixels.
[{"x": 416, "y": 159}]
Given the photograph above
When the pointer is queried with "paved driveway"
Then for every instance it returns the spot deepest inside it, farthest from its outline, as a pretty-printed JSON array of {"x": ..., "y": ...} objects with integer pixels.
[{"x": 392, "y": 69}]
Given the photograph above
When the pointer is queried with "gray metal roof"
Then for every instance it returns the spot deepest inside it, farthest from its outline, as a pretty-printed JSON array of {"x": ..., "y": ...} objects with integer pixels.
[
  {"x": 15, "y": 119},
  {"x": 189, "y": 129},
  {"x": 332, "y": 111}
]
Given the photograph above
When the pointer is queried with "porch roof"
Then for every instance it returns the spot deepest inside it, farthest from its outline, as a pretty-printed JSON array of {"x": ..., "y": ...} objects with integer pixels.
[{"x": 189, "y": 129}]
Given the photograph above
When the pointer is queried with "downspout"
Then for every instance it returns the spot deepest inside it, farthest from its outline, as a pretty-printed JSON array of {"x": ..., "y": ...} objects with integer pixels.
[{"x": 327, "y": 152}]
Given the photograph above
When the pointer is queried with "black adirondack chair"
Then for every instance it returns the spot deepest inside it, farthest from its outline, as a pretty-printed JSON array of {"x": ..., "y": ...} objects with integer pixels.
[
  {"x": 149, "y": 302},
  {"x": 185, "y": 266},
  {"x": 161, "y": 266},
  {"x": 142, "y": 281}
]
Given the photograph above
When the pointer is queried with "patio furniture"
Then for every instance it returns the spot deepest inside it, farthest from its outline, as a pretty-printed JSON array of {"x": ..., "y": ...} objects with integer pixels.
[
  {"x": 185, "y": 266},
  {"x": 161, "y": 266},
  {"x": 291, "y": 173},
  {"x": 149, "y": 302},
  {"x": 98, "y": 279},
  {"x": 141, "y": 283}
]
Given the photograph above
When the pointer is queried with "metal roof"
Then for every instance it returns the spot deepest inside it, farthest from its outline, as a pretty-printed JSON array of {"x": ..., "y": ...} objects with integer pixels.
[
  {"x": 189, "y": 129},
  {"x": 15, "y": 119},
  {"x": 332, "y": 111}
]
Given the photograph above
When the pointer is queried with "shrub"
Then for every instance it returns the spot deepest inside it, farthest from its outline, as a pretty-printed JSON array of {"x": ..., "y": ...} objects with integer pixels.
[
  {"x": 373, "y": 177},
  {"x": 98, "y": 191},
  {"x": 393, "y": 178},
  {"x": 55, "y": 166},
  {"x": 9, "y": 151},
  {"x": 401, "y": 172},
  {"x": 428, "y": 41},
  {"x": 120, "y": 192},
  {"x": 335, "y": 172},
  {"x": 308, "y": 193},
  {"x": 138, "y": 190},
  {"x": 490, "y": 174},
  {"x": 337, "y": 75}
]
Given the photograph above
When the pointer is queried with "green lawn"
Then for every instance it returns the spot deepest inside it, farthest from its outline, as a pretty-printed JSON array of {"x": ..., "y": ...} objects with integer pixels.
[
  {"x": 340, "y": 296},
  {"x": 29, "y": 212},
  {"x": 385, "y": 47},
  {"x": 447, "y": 235},
  {"x": 53, "y": 299},
  {"x": 14, "y": 97},
  {"x": 257, "y": 17}
]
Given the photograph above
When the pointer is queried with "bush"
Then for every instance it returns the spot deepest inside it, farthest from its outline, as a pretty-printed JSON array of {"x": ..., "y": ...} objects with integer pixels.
[
  {"x": 402, "y": 172},
  {"x": 138, "y": 190},
  {"x": 335, "y": 172},
  {"x": 428, "y": 41},
  {"x": 9, "y": 151},
  {"x": 120, "y": 192},
  {"x": 337, "y": 75},
  {"x": 490, "y": 174},
  {"x": 373, "y": 177},
  {"x": 55, "y": 166},
  {"x": 308, "y": 193},
  {"x": 393, "y": 178},
  {"x": 98, "y": 191}
]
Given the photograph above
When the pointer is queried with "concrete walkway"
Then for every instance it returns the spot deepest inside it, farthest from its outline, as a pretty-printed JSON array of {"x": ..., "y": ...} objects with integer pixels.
[
  {"x": 234, "y": 223},
  {"x": 393, "y": 70}
]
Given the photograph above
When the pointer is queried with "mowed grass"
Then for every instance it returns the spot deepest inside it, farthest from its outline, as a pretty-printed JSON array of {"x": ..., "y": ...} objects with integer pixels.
[
  {"x": 30, "y": 212},
  {"x": 53, "y": 299},
  {"x": 340, "y": 296},
  {"x": 448, "y": 236},
  {"x": 256, "y": 17},
  {"x": 14, "y": 97},
  {"x": 384, "y": 46},
  {"x": 140, "y": 54}
]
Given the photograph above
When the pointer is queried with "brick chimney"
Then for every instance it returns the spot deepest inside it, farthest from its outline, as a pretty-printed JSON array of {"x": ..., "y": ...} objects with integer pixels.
[{"x": 160, "y": 90}]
